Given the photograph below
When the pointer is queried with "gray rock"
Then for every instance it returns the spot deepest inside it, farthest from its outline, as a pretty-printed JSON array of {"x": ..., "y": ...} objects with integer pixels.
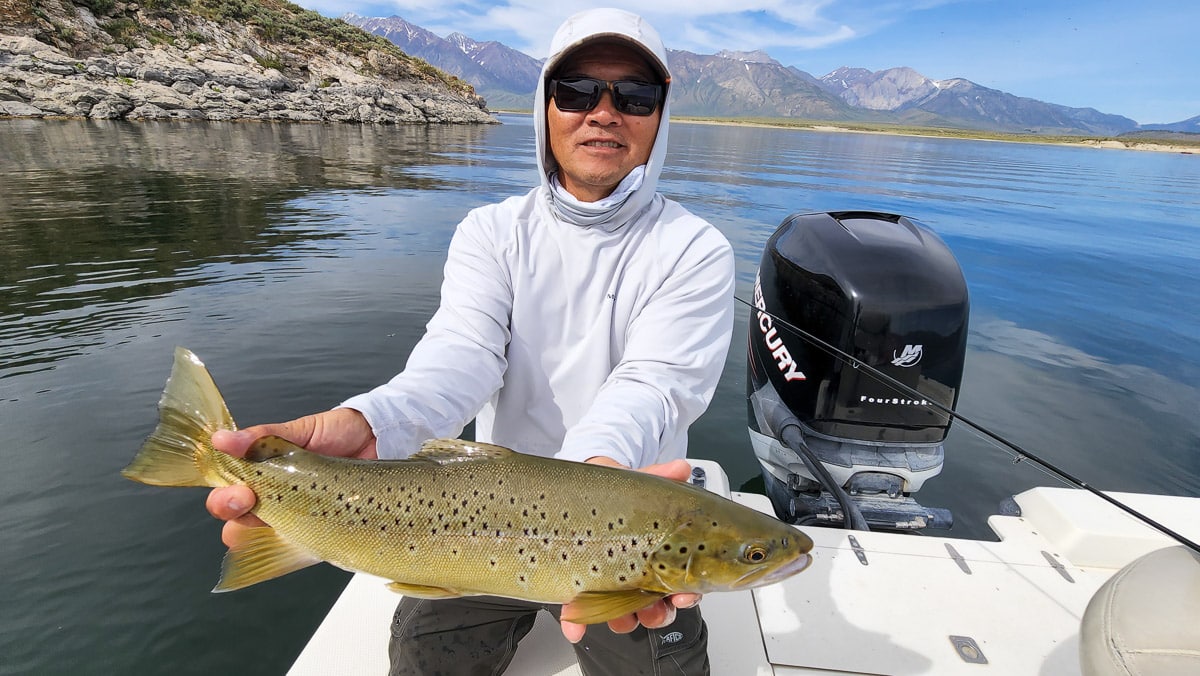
[
  {"x": 217, "y": 78},
  {"x": 19, "y": 109}
]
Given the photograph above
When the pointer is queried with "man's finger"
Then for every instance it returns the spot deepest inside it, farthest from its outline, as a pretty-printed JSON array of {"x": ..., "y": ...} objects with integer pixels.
[
  {"x": 573, "y": 632},
  {"x": 679, "y": 470},
  {"x": 234, "y": 532},
  {"x": 623, "y": 624},
  {"x": 230, "y": 502},
  {"x": 685, "y": 600}
]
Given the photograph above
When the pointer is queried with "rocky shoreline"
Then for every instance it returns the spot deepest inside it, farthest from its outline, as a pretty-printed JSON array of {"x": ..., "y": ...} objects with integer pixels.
[{"x": 67, "y": 64}]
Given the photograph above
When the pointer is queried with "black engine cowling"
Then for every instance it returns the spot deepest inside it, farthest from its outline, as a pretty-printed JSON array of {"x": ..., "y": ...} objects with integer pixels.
[{"x": 870, "y": 294}]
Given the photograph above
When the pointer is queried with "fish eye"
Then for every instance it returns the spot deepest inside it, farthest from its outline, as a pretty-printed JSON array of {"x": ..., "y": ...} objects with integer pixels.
[{"x": 755, "y": 553}]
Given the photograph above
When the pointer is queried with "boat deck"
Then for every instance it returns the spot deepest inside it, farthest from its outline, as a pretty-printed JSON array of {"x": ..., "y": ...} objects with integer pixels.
[{"x": 871, "y": 603}]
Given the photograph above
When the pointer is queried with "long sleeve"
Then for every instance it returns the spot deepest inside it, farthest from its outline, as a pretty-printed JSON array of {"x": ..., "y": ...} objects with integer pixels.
[{"x": 459, "y": 363}]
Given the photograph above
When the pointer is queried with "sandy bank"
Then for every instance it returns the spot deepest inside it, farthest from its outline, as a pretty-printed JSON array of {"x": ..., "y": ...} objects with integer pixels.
[{"x": 1115, "y": 144}]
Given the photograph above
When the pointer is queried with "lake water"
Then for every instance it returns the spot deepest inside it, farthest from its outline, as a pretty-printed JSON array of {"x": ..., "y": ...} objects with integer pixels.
[{"x": 302, "y": 261}]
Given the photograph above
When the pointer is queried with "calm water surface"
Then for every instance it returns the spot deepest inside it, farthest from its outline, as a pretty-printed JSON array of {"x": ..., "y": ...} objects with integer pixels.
[{"x": 302, "y": 261}]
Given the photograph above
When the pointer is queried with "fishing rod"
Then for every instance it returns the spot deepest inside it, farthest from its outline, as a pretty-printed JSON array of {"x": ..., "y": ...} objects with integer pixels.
[{"x": 1022, "y": 454}]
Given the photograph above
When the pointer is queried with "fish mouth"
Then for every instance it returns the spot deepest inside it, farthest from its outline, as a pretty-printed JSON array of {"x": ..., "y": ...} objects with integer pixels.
[{"x": 761, "y": 578}]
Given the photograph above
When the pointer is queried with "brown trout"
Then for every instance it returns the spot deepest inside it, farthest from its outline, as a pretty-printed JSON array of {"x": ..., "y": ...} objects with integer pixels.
[{"x": 460, "y": 518}]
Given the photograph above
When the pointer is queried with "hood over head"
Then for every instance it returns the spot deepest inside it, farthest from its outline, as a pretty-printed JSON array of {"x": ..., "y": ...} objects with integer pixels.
[{"x": 605, "y": 25}]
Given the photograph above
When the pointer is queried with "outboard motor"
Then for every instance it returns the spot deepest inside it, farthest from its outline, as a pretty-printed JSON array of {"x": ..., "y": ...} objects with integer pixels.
[{"x": 847, "y": 304}]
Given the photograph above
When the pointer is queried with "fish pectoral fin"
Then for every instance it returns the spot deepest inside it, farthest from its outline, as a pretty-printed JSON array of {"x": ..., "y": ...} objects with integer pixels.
[
  {"x": 597, "y": 607},
  {"x": 445, "y": 451},
  {"x": 423, "y": 591},
  {"x": 260, "y": 555}
]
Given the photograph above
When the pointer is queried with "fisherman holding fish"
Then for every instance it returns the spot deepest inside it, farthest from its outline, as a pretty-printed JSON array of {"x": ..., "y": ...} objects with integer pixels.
[{"x": 586, "y": 320}]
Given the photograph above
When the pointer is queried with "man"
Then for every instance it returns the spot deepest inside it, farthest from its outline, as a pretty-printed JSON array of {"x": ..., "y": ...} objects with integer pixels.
[{"x": 586, "y": 320}]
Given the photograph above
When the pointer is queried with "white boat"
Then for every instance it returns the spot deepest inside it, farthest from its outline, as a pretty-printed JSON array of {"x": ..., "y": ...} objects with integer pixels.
[
  {"x": 875, "y": 602},
  {"x": 852, "y": 439}
]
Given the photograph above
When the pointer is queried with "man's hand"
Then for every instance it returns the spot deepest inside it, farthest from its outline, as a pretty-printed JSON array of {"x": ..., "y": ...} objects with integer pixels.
[
  {"x": 661, "y": 613},
  {"x": 342, "y": 432}
]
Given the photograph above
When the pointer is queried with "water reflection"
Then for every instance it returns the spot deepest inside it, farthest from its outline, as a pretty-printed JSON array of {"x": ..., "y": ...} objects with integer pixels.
[{"x": 102, "y": 215}]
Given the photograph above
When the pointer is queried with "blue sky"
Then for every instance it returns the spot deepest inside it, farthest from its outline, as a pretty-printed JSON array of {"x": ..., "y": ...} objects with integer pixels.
[{"x": 1137, "y": 59}]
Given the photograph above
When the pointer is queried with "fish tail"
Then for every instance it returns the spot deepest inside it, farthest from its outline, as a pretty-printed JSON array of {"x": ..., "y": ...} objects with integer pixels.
[{"x": 190, "y": 410}]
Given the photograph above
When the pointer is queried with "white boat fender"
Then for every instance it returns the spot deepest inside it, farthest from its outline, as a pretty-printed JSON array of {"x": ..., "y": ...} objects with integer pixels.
[{"x": 1145, "y": 619}]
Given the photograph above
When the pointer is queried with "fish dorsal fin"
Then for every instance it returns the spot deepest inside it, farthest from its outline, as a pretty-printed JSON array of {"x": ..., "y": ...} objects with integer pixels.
[
  {"x": 597, "y": 607},
  {"x": 446, "y": 451},
  {"x": 265, "y": 448},
  {"x": 260, "y": 555}
]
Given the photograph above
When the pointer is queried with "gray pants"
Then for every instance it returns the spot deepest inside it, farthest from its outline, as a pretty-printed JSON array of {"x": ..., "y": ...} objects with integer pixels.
[{"x": 478, "y": 635}]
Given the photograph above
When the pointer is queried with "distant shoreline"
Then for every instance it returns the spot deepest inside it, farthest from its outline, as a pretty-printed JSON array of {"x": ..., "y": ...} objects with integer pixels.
[
  {"x": 1185, "y": 148},
  {"x": 1106, "y": 142}
]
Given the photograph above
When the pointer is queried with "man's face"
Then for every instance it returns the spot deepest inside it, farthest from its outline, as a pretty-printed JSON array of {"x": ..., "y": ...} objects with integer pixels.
[{"x": 597, "y": 148}]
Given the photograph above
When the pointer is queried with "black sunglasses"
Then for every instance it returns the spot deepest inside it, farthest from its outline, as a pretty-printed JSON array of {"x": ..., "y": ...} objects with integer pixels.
[{"x": 630, "y": 97}]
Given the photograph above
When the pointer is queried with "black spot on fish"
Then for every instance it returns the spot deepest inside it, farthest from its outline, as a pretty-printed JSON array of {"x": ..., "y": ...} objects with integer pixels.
[
  {"x": 383, "y": 528},
  {"x": 593, "y": 511},
  {"x": 341, "y": 496},
  {"x": 295, "y": 487},
  {"x": 370, "y": 499},
  {"x": 667, "y": 547},
  {"x": 610, "y": 552},
  {"x": 700, "y": 547},
  {"x": 595, "y": 569},
  {"x": 610, "y": 525},
  {"x": 258, "y": 472},
  {"x": 656, "y": 525},
  {"x": 564, "y": 556},
  {"x": 313, "y": 486},
  {"x": 683, "y": 550},
  {"x": 621, "y": 578}
]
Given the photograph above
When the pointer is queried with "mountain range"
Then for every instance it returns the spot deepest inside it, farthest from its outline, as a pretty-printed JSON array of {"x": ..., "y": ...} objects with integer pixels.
[{"x": 752, "y": 84}]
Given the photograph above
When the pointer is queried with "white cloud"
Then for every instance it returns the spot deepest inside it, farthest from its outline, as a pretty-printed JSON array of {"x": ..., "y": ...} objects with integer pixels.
[{"x": 702, "y": 26}]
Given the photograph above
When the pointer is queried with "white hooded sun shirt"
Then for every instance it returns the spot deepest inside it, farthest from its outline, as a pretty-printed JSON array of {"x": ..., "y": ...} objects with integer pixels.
[{"x": 566, "y": 337}]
